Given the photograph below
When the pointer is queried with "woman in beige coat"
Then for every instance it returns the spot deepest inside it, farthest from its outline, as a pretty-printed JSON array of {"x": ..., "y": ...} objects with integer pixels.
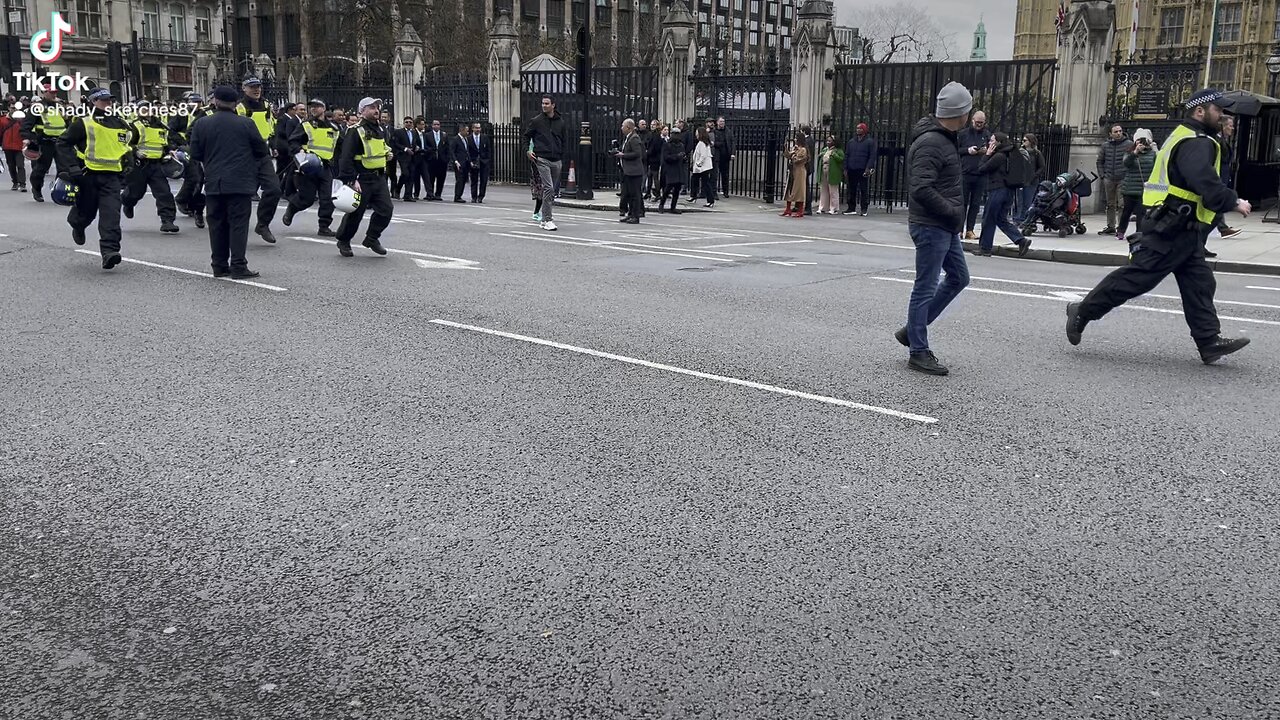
[{"x": 799, "y": 157}]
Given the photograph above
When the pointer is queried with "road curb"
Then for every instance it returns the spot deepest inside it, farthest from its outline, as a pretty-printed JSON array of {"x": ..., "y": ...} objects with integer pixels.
[{"x": 1086, "y": 257}]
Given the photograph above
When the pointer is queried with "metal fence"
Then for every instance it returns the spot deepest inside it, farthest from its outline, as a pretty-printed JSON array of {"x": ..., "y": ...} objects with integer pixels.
[
  {"x": 453, "y": 97},
  {"x": 339, "y": 86}
]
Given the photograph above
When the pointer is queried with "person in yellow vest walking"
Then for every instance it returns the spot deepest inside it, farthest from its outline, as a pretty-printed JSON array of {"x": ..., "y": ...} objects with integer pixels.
[
  {"x": 95, "y": 151},
  {"x": 253, "y": 107},
  {"x": 190, "y": 199},
  {"x": 314, "y": 136},
  {"x": 41, "y": 131},
  {"x": 1184, "y": 197},
  {"x": 362, "y": 165},
  {"x": 152, "y": 150}
]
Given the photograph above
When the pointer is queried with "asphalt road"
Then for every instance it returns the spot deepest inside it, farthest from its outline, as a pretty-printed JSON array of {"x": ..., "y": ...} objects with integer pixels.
[{"x": 665, "y": 471}]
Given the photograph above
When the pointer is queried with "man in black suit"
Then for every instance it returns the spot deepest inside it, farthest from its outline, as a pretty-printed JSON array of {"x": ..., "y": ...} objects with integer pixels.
[
  {"x": 459, "y": 161},
  {"x": 631, "y": 154},
  {"x": 230, "y": 148},
  {"x": 480, "y": 152},
  {"x": 436, "y": 144},
  {"x": 406, "y": 141},
  {"x": 722, "y": 153}
]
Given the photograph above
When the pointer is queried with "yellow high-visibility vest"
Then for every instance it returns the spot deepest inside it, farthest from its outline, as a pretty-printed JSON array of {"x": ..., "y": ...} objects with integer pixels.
[
  {"x": 104, "y": 147},
  {"x": 153, "y": 142},
  {"x": 1158, "y": 188},
  {"x": 52, "y": 124},
  {"x": 373, "y": 155},
  {"x": 262, "y": 118},
  {"x": 322, "y": 140}
]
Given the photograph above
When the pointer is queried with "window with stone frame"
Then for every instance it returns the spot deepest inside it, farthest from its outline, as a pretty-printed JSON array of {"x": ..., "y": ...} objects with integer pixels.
[
  {"x": 1223, "y": 72},
  {"x": 1230, "y": 16},
  {"x": 1171, "y": 25}
]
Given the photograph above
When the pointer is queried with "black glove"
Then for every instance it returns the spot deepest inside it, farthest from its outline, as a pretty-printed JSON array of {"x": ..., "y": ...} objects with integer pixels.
[{"x": 71, "y": 175}]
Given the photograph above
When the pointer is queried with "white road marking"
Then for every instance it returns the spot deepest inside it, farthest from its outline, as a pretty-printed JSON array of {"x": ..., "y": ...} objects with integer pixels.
[
  {"x": 1054, "y": 297},
  {"x": 691, "y": 373},
  {"x": 748, "y": 244},
  {"x": 772, "y": 233},
  {"x": 1218, "y": 301},
  {"x": 449, "y": 265},
  {"x": 599, "y": 241},
  {"x": 561, "y": 240},
  {"x": 1251, "y": 287},
  {"x": 789, "y": 263},
  {"x": 197, "y": 273},
  {"x": 458, "y": 262},
  {"x": 1067, "y": 295}
]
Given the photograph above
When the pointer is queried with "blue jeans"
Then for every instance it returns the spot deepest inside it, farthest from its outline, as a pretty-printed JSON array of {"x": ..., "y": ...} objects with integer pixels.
[
  {"x": 1026, "y": 198},
  {"x": 937, "y": 250},
  {"x": 997, "y": 214}
]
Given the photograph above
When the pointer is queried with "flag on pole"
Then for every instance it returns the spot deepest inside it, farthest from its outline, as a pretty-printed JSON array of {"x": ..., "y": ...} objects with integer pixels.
[
  {"x": 1133, "y": 30},
  {"x": 1061, "y": 23}
]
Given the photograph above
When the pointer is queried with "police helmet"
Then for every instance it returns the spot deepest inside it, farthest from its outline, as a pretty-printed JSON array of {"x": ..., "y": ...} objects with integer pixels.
[
  {"x": 175, "y": 165},
  {"x": 345, "y": 198},
  {"x": 64, "y": 192},
  {"x": 308, "y": 163}
]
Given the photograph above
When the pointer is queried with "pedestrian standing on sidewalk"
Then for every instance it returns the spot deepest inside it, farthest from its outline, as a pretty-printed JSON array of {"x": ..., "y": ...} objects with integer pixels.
[
  {"x": 1138, "y": 164},
  {"x": 1039, "y": 171},
  {"x": 1228, "y": 142},
  {"x": 631, "y": 157},
  {"x": 1004, "y": 167},
  {"x": 972, "y": 143},
  {"x": 1185, "y": 194},
  {"x": 704, "y": 166},
  {"x": 830, "y": 173},
  {"x": 549, "y": 135},
  {"x": 653, "y": 158},
  {"x": 673, "y": 169},
  {"x": 935, "y": 217},
  {"x": 798, "y": 156},
  {"x": 1111, "y": 170},
  {"x": 860, "y": 155}
]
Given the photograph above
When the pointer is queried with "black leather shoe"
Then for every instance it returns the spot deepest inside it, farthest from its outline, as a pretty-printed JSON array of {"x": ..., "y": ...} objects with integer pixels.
[
  {"x": 265, "y": 233},
  {"x": 77, "y": 235},
  {"x": 36, "y": 194},
  {"x": 927, "y": 363},
  {"x": 1075, "y": 323},
  {"x": 287, "y": 218},
  {"x": 111, "y": 260},
  {"x": 167, "y": 226},
  {"x": 199, "y": 219},
  {"x": 326, "y": 232},
  {"x": 375, "y": 246},
  {"x": 1211, "y": 353},
  {"x": 127, "y": 210},
  {"x": 632, "y": 221},
  {"x": 244, "y": 274},
  {"x": 222, "y": 272},
  {"x": 901, "y": 337},
  {"x": 460, "y": 200},
  {"x": 344, "y": 249},
  {"x": 1024, "y": 247}
]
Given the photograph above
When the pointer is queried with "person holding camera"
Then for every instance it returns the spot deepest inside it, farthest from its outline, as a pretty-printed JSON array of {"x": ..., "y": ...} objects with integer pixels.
[
  {"x": 631, "y": 155},
  {"x": 1185, "y": 195},
  {"x": 1138, "y": 163}
]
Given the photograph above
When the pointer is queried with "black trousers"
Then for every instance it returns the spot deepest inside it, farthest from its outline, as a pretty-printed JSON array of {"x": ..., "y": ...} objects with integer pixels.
[
  {"x": 1154, "y": 259},
  {"x": 1132, "y": 206},
  {"x": 467, "y": 174},
  {"x": 40, "y": 168},
  {"x": 147, "y": 173},
  {"x": 17, "y": 166},
  {"x": 722, "y": 168},
  {"x": 374, "y": 195},
  {"x": 229, "y": 230},
  {"x": 436, "y": 172},
  {"x": 269, "y": 184},
  {"x": 483, "y": 178},
  {"x": 308, "y": 187},
  {"x": 973, "y": 188},
  {"x": 99, "y": 197},
  {"x": 860, "y": 190},
  {"x": 632, "y": 204},
  {"x": 191, "y": 195},
  {"x": 406, "y": 184},
  {"x": 670, "y": 191},
  {"x": 695, "y": 184}
]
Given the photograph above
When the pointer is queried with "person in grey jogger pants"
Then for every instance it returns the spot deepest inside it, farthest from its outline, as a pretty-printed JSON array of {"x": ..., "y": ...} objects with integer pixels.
[{"x": 549, "y": 179}]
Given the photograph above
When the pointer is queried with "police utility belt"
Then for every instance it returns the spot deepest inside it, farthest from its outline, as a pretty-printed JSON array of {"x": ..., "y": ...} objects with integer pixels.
[{"x": 1171, "y": 218}]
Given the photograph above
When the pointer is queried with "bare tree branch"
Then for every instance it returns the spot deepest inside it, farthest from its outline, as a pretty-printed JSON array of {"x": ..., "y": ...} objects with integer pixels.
[{"x": 903, "y": 32}]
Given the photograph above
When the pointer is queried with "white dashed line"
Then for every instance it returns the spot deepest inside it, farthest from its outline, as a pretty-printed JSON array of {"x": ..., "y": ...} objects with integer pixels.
[{"x": 184, "y": 271}]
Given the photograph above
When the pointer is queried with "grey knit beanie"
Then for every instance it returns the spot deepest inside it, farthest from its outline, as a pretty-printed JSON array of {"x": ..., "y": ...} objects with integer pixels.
[{"x": 954, "y": 101}]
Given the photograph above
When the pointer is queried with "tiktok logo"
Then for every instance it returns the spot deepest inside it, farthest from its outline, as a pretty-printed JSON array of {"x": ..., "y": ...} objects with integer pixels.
[{"x": 51, "y": 38}]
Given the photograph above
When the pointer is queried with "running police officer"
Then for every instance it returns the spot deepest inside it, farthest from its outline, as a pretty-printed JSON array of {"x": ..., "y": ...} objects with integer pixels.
[
  {"x": 253, "y": 107},
  {"x": 1184, "y": 198},
  {"x": 41, "y": 132},
  {"x": 95, "y": 151},
  {"x": 153, "y": 148},
  {"x": 318, "y": 137},
  {"x": 362, "y": 165},
  {"x": 190, "y": 199}
]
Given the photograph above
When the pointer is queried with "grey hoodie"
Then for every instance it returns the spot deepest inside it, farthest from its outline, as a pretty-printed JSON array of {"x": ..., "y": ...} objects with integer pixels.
[{"x": 935, "y": 193}]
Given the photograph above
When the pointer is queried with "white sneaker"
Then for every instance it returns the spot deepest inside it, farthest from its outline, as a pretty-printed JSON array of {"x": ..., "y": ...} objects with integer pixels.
[
  {"x": 537, "y": 217},
  {"x": 549, "y": 225},
  {"x": 864, "y": 214}
]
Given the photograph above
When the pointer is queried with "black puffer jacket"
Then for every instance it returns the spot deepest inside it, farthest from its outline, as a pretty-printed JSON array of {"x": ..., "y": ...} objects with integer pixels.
[
  {"x": 996, "y": 166},
  {"x": 935, "y": 195}
]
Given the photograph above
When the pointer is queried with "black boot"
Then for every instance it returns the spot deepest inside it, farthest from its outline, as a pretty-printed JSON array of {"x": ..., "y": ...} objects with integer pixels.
[
  {"x": 287, "y": 218},
  {"x": 199, "y": 215},
  {"x": 326, "y": 232},
  {"x": 111, "y": 260},
  {"x": 265, "y": 233},
  {"x": 927, "y": 363},
  {"x": 1075, "y": 323},
  {"x": 168, "y": 226},
  {"x": 374, "y": 245},
  {"x": 344, "y": 248},
  {"x": 1211, "y": 352}
]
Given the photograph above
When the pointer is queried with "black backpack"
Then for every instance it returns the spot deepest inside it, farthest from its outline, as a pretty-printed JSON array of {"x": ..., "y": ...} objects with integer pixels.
[{"x": 1018, "y": 170}]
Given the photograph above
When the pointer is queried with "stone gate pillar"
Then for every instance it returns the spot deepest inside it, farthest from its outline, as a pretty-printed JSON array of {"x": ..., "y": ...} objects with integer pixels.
[
  {"x": 675, "y": 92},
  {"x": 406, "y": 70},
  {"x": 504, "y": 70},
  {"x": 1080, "y": 94},
  {"x": 813, "y": 63}
]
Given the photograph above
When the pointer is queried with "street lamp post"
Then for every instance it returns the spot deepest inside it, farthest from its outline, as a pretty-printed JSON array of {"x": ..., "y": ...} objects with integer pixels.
[{"x": 1273, "y": 67}]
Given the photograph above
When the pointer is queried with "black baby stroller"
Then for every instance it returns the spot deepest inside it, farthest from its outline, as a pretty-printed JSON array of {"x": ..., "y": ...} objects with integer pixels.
[{"x": 1057, "y": 204}]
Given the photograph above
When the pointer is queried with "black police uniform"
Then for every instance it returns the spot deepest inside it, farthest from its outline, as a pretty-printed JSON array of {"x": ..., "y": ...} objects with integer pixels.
[
  {"x": 149, "y": 172},
  {"x": 33, "y": 128},
  {"x": 374, "y": 192},
  {"x": 232, "y": 150},
  {"x": 308, "y": 187},
  {"x": 99, "y": 191},
  {"x": 1175, "y": 246},
  {"x": 190, "y": 198}
]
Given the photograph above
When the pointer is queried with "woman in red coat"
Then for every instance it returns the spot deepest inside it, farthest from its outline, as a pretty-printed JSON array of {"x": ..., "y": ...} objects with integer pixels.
[{"x": 11, "y": 142}]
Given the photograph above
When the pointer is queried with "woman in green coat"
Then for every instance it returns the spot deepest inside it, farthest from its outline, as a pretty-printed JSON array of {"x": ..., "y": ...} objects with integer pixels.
[
  {"x": 1138, "y": 164},
  {"x": 831, "y": 171}
]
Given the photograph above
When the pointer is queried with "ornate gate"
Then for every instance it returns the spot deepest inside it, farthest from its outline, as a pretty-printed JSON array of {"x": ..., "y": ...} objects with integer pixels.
[
  {"x": 755, "y": 101},
  {"x": 342, "y": 83},
  {"x": 455, "y": 96}
]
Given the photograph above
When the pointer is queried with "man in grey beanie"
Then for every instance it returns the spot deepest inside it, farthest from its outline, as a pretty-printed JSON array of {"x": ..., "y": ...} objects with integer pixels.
[{"x": 935, "y": 217}]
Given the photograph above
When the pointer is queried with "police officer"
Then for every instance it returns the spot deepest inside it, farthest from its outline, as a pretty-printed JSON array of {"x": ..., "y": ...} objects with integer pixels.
[
  {"x": 253, "y": 107},
  {"x": 41, "y": 132},
  {"x": 1184, "y": 198},
  {"x": 190, "y": 199},
  {"x": 95, "y": 151},
  {"x": 362, "y": 165},
  {"x": 318, "y": 137},
  {"x": 153, "y": 148}
]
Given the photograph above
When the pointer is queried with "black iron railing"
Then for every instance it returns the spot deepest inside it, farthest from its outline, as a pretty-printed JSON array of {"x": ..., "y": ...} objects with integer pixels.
[
  {"x": 171, "y": 47},
  {"x": 455, "y": 97}
]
